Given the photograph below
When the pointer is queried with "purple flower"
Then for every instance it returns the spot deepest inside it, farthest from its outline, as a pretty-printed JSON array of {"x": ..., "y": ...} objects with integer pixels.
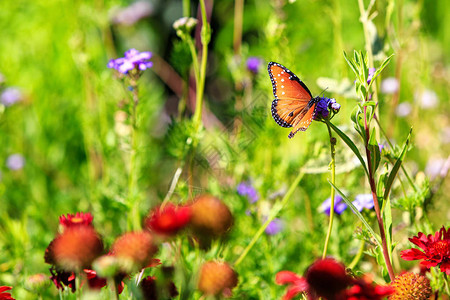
[
  {"x": 247, "y": 190},
  {"x": 133, "y": 13},
  {"x": 437, "y": 167},
  {"x": 274, "y": 227},
  {"x": 403, "y": 109},
  {"x": 253, "y": 64},
  {"x": 15, "y": 162},
  {"x": 10, "y": 96},
  {"x": 133, "y": 60},
  {"x": 389, "y": 85},
  {"x": 323, "y": 107},
  {"x": 363, "y": 201},
  {"x": 381, "y": 147},
  {"x": 371, "y": 72},
  {"x": 339, "y": 205}
]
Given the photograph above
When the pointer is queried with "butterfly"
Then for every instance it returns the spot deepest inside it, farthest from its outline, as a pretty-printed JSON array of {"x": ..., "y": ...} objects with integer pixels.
[{"x": 293, "y": 106}]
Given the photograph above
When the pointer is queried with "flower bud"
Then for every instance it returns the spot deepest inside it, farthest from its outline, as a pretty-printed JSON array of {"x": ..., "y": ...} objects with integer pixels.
[{"x": 217, "y": 277}]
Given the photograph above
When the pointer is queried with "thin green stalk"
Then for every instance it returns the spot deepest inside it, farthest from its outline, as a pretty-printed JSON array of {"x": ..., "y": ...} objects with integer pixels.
[
  {"x": 201, "y": 82},
  {"x": 333, "y": 180},
  {"x": 365, "y": 18},
  {"x": 78, "y": 285},
  {"x": 358, "y": 255},
  {"x": 238, "y": 20},
  {"x": 272, "y": 215},
  {"x": 134, "y": 216},
  {"x": 186, "y": 8},
  {"x": 112, "y": 289}
]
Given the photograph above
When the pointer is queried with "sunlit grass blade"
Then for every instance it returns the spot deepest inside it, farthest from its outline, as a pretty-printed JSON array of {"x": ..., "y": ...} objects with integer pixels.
[
  {"x": 358, "y": 214},
  {"x": 350, "y": 144},
  {"x": 396, "y": 167}
]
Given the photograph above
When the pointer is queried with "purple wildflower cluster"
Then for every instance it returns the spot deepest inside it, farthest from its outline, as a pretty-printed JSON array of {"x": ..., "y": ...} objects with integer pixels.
[
  {"x": 254, "y": 64},
  {"x": 247, "y": 190},
  {"x": 323, "y": 107},
  {"x": 361, "y": 201},
  {"x": 133, "y": 60}
]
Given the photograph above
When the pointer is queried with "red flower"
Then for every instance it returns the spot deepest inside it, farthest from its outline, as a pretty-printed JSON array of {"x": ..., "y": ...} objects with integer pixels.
[
  {"x": 62, "y": 278},
  {"x": 326, "y": 278},
  {"x": 364, "y": 289},
  {"x": 436, "y": 250},
  {"x": 297, "y": 284},
  {"x": 3, "y": 295},
  {"x": 78, "y": 219},
  {"x": 168, "y": 219}
]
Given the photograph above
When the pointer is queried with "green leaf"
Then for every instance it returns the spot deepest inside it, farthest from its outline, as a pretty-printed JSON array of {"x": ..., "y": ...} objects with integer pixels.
[
  {"x": 369, "y": 103},
  {"x": 358, "y": 214},
  {"x": 349, "y": 143},
  {"x": 387, "y": 218},
  {"x": 396, "y": 167},
  {"x": 380, "y": 69},
  {"x": 374, "y": 151},
  {"x": 351, "y": 64}
]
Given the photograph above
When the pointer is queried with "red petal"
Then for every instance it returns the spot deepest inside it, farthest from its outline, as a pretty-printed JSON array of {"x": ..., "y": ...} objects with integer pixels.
[
  {"x": 412, "y": 254},
  {"x": 445, "y": 267},
  {"x": 285, "y": 277},
  {"x": 294, "y": 291}
]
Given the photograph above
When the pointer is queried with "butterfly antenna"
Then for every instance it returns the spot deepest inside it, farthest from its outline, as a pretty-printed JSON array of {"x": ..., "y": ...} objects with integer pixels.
[{"x": 323, "y": 91}]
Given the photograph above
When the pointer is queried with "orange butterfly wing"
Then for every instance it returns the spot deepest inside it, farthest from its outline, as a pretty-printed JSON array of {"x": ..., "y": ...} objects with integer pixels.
[{"x": 293, "y": 105}]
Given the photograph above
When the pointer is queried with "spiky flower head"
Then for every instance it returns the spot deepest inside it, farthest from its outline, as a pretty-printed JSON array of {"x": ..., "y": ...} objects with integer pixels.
[
  {"x": 134, "y": 250},
  {"x": 210, "y": 216},
  {"x": 410, "y": 286},
  {"x": 217, "y": 277},
  {"x": 168, "y": 220},
  {"x": 76, "y": 219},
  {"x": 75, "y": 248}
]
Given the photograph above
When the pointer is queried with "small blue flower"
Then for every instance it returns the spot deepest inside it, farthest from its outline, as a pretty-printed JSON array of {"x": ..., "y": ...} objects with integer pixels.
[
  {"x": 10, "y": 96},
  {"x": 15, "y": 162},
  {"x": 339, "y": 205},
  {"x": 247, "y": 190},
  {"x": 323, "y": 107},
  {"x": 133, "y": 60},
  {"x": 363, "y": 201},
  {"x": 274, "y": 227},
  {"x": 253, "y": 64}
]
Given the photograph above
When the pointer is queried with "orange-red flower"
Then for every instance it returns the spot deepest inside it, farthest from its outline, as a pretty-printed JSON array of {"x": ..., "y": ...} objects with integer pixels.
[
  {"x": 326, "y": 278},
  {"x": 75, "y": 248},
  {"x": 210, "y": 216},
  {"x": 217, "y": 277},
  {"x": 134, "y": 250},
  {"x": 74, "y": 220},
  {"x": 365, "y": 289},
  {"x": 169, "y": 219},
  {"x": 297, "y": 284},
  {"x": 3, "y": 294},
  {"x": 436, "y": 250}
]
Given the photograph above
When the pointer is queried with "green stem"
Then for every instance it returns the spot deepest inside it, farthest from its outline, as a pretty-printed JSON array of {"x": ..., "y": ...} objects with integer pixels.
[
  {"x": 358, "y": 256},
  {"x": 365, "y": 22},
  {"x": 134, "y": 215},
  {"x": 238, "y": 20},
  {"x": 333, "y": 180},
  {"x": 272, "y": 215},
  {"x": 186, "y": 8},
  {"x": 112, "y": 289},
  {"x": 205, "y": 32},
  {"x": 78, "y": 285}
]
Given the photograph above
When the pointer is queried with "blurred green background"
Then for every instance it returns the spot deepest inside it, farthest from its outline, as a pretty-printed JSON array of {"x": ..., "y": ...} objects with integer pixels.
[{"x": 70, "y": 130}]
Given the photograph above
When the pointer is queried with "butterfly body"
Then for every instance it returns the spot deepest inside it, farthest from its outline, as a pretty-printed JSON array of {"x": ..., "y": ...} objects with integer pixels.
[{"x": 293, "y": 106}]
